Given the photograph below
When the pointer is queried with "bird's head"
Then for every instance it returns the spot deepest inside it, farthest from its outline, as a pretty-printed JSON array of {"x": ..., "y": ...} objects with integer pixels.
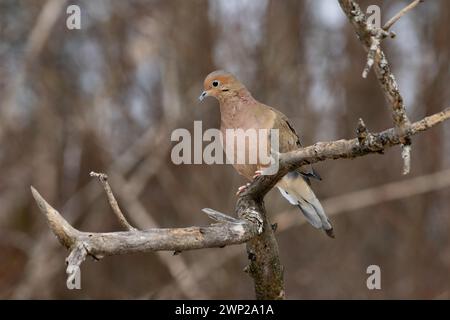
[{"x": 220, "y": 84}]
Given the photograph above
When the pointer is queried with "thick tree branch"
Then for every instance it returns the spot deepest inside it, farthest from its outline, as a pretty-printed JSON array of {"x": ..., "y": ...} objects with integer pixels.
[
  {"x": 262, "y": 251},
  {"x": 98, "y": 245}
]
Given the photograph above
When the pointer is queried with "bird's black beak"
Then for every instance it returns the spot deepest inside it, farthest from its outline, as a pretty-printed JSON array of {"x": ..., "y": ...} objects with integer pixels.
[{"x": 202, "y": 96}]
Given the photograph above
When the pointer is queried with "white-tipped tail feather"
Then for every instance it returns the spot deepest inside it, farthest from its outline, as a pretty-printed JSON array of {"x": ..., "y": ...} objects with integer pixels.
[{"x": 298, "y": 192}]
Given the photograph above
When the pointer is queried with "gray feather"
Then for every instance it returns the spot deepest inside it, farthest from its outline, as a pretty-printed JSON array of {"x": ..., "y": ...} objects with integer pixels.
[{"x": 303, "y": 197}]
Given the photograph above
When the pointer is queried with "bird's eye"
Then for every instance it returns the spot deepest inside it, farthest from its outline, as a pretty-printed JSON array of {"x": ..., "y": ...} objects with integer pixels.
[{"x": 215, "y": 83}]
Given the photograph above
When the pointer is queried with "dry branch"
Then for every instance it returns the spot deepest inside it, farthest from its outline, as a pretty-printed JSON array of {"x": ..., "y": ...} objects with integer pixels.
[
  {"x": 103, "y": 178},
  {"x": 340, "y": 149},
  {"x": 370, "y": 37},
  {"x": 175, "y": 239},
  {"x": 400, "y": 14}
]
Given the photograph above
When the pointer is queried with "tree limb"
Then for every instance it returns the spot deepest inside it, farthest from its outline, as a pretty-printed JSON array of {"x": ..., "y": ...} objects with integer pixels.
[
  {"x": 175, "y": 239},
  {"x": 340, "y": 149},
  {"x": 370, "y": 37}
]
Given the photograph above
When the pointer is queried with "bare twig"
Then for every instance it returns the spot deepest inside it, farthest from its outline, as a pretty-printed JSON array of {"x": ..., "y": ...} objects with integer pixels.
[
  {"x": 187, "y": 286},
  {"x": 400, "y": 14},
  {"x": 129, "y": 192},
  {"x": 370, "y": 38},
  {"x": 103, "y": 178}
]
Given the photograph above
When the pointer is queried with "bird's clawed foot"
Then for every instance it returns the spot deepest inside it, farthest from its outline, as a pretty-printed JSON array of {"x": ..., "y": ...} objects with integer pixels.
[
  {"x": 257, "y": 174},
  {"x": 241, "y": 189}
]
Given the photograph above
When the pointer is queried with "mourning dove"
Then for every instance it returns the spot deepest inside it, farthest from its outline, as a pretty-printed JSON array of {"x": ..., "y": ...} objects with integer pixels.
[{"x": 239, "y": 110}]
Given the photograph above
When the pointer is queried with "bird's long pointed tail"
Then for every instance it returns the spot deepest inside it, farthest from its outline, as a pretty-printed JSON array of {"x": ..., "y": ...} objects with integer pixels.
[{"x": 297, "y": 191}]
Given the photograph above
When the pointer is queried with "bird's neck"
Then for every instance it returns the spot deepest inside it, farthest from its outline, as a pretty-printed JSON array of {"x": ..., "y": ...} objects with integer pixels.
[{"x": 231, "y": 105}]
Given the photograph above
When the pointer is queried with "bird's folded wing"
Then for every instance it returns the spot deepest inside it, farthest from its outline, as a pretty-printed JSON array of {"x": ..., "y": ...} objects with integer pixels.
[{"x": 289, "y": 140}]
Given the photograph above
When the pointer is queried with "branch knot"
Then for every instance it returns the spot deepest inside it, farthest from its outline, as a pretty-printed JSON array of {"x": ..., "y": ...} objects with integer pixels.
[{"x": 255, "y": 218}]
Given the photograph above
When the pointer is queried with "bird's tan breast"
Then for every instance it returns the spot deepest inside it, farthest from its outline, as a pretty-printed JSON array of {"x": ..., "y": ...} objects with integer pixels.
[{"x": 253, "y": 120}]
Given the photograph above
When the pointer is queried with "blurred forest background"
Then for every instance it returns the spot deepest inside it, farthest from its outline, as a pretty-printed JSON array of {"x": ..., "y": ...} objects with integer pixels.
[{"x": 107, "y": 97}]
